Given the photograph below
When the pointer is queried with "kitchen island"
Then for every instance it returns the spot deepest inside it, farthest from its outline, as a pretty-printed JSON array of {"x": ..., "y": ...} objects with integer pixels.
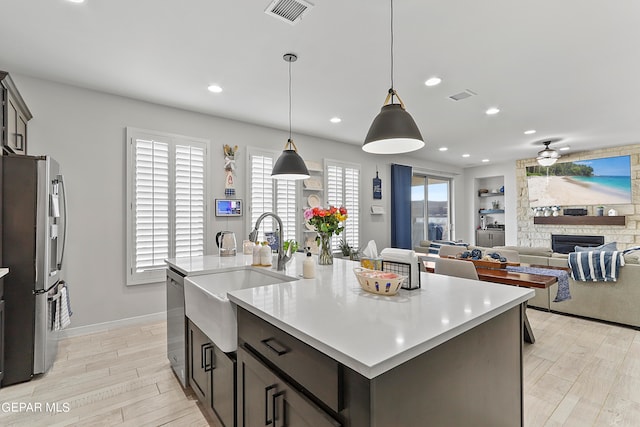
[{"x": 324, "y": 352}]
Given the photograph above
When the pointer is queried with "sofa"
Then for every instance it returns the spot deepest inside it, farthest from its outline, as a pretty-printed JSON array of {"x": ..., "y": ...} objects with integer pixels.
[{"x": 617, "y": 301}]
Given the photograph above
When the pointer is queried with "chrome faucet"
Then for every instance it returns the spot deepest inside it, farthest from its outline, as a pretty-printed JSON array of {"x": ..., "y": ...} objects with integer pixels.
[{"x": 282, "y": 257}]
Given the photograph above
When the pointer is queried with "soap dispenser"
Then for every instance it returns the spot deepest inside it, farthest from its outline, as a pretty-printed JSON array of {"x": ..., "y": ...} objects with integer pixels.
[{"x": 308, "y": 266}]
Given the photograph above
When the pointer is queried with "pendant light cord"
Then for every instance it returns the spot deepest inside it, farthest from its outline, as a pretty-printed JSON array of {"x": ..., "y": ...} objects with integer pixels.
[
  {"x": 289, "y": 101},
  {"x": 391, "y": 49}
]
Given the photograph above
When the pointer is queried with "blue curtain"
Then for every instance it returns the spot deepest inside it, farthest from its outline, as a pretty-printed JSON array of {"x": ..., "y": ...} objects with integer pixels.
[{"x": 401, "y": 206}]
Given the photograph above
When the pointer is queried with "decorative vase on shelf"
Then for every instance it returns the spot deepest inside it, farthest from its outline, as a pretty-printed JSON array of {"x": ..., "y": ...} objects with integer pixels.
[{"x": 325, "y": 257}]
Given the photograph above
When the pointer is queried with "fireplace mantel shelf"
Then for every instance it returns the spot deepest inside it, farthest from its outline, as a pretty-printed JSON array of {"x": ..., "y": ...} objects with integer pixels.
[{"x": 579, "y": 220}]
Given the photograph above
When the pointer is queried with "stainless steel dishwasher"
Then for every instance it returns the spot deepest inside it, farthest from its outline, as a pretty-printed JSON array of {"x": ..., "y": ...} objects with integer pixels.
[{"x": 176, "y": 326}]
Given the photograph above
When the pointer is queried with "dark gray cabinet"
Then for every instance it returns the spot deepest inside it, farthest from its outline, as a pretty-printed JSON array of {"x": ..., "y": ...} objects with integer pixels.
[
  {"x": 212, "y": 376},
  {"x": 1, "y": 338},
  {"x": 14, "y": 116},
  {"x": 489, "y": 238},
  {"x": 269, "y": 400},
  {"x": 284, "y": 381}
]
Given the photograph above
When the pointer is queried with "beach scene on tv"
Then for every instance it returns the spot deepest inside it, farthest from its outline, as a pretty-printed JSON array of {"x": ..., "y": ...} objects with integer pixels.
[{"x": 604, "y": 181}]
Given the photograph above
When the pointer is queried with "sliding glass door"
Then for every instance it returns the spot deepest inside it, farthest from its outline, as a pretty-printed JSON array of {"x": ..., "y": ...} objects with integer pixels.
[{"x": 430, "y": 208}]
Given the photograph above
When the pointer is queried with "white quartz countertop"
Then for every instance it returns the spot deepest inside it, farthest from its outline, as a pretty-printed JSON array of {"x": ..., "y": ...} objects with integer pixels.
[
  {"x": 369, "y": 333},
  {"x": 191, "y": 266}
]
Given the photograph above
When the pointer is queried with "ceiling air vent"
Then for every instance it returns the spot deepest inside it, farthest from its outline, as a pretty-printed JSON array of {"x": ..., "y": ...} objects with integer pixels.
[
  {"x": 290, "y": 11},
  {"x": 463, "y": 95}
]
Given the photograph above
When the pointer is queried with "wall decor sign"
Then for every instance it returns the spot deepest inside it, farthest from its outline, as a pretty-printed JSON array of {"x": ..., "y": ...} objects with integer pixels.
[
  {"x": 229, "y": 169},
  {"x": 377, "y": 187}
]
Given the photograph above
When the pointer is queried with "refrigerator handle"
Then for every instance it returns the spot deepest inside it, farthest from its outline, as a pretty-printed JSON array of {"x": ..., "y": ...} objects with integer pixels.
[{"x": 64, "y": 213}]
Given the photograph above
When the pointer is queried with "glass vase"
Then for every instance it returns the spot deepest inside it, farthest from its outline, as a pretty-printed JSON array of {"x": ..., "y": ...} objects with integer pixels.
[{"x": 325, "y": 257}]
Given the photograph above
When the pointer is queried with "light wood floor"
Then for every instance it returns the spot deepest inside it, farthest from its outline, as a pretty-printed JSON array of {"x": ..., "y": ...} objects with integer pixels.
[{"x": 578, "y": 373}]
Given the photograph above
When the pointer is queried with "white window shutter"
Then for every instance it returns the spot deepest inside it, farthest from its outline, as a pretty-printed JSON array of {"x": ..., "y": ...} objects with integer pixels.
[
  {"x": 270, "y": 195},
  {"x": 189, "y": 201},
  {"x": 261, "y": 190},
  {"x": 286, "y": 207},
  {"x": 151, "y": 242},
  {"x": 343, "y": 189},
  {"x": 334, "y": 185},
  {"x": 352, "y": 203}
]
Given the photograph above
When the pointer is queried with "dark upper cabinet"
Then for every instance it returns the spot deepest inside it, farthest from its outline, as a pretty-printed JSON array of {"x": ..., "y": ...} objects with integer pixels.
[{"x": 14, "y": 116}]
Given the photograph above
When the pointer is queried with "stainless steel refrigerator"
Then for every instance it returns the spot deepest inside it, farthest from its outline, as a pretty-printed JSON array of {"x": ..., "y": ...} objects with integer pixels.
[{"x": 34, "y": 227}]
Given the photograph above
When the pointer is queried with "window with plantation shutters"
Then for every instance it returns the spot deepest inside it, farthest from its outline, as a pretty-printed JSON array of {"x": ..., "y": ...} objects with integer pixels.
[
  {"x": 343, "y": 189},
  {"x": 166, "y": 196},
  {"x": 270, "y": 195}
]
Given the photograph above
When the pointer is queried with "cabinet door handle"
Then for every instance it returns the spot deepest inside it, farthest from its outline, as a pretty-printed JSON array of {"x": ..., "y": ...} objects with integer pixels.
[
  {"x": 203, "y": 349},
  {"x": 211, "y": 365},
  {"x": 283, "y": 421},
  {"x": 267, "y": 389},
  {"x": 279, "y": 351}
]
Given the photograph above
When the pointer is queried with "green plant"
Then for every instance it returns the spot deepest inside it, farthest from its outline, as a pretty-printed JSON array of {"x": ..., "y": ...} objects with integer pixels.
[
  {"x": 345, "y": 248},
  {"x": 292, "y": 243}
]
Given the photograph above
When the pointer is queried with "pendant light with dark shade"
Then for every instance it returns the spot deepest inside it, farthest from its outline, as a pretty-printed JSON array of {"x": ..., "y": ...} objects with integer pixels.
[
  {"x": 290, "y": 165},
  {"x": 393, "y": 130}
]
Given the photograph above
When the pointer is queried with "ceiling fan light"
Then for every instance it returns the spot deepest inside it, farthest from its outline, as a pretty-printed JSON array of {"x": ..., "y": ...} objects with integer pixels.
[
  {"x": 549, "y": 153},
  {"x": 546, "y": 161},
  {"x": 393, "y": 131},
  {"x": 548, "y": 156}
]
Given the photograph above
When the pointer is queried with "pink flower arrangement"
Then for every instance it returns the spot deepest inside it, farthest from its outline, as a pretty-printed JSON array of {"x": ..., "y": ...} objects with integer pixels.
[{"x": 326, "y": 220}]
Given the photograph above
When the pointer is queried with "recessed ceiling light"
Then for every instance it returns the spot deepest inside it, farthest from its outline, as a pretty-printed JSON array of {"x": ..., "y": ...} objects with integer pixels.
[
  {"x": 493, "y": 110},
  {"x": 466, "y": 155},
  {"x": 529, "y": 132},
  {"x": 76, "y": 1},
  {"x": 443, "y": 148},
  {"x": 485, "y": 160},
  {"x": 335, "y": 119},
  {"x": 433, "y": 81},
  {"x": 215, "y": 89},
  {"x": 566, "y": 148}
]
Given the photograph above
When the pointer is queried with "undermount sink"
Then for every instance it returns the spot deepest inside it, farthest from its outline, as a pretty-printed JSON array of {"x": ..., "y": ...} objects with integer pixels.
[{"x": 207, "y": 304}]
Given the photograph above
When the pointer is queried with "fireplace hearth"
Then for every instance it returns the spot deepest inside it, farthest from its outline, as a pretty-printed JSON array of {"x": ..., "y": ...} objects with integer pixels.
[{"x": 565, "y": 243}]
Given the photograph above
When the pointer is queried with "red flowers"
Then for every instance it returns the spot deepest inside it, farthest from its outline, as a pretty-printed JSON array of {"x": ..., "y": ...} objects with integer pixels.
[{"x": 326, "y": 220}]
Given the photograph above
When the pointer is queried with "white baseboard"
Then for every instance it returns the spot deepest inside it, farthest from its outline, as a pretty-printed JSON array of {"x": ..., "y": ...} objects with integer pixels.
[{"x": 105, "y": 326}]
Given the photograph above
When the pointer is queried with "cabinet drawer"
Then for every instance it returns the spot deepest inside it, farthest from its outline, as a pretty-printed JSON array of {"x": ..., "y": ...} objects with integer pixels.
[{"x": 311, "y": 369}]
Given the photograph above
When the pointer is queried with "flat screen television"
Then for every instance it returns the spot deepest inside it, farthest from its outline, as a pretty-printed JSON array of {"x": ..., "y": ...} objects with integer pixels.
[{"x": 603, "y": 181}]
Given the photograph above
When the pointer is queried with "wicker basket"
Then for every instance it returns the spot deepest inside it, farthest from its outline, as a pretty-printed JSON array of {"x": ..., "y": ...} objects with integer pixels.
[{"x": 379, "y": 282}]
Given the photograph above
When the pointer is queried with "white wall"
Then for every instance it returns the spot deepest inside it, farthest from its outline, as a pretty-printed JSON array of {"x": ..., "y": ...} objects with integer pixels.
[
  {"x": 508, "y": 171},
  {"x": 85, "y": 131}
]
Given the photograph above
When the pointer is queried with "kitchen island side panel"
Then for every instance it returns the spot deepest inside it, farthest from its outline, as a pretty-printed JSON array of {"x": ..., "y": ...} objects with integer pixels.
[{"x": 472, "y": 379}]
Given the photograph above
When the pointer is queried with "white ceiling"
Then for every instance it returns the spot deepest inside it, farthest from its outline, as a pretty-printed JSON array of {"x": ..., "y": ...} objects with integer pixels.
[{"x": 569, "y": 69}]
